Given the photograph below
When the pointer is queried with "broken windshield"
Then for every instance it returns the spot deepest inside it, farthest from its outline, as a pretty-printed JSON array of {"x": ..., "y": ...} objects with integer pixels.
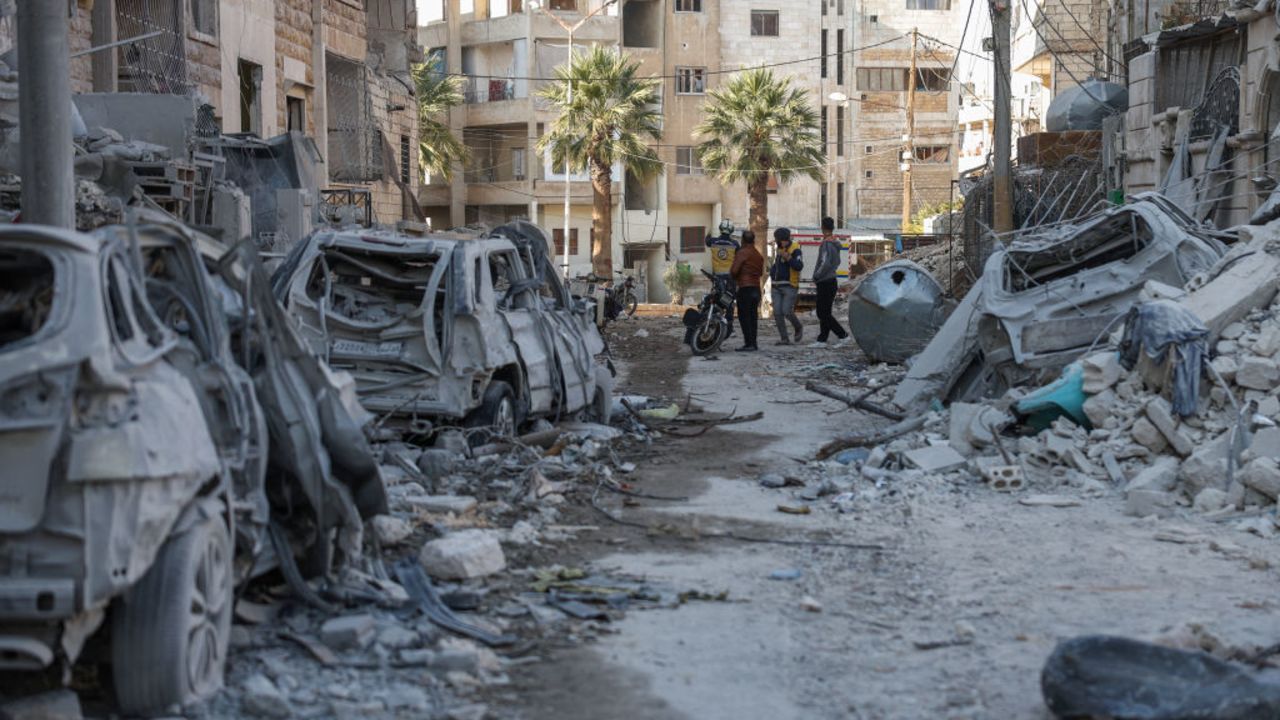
[
  {"x": 27, "y": 296},
  {"x": 371, "y": 289}
]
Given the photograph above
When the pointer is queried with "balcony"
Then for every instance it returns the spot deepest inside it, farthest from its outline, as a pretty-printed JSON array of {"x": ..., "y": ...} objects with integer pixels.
[{"x": 483, "y": 90}]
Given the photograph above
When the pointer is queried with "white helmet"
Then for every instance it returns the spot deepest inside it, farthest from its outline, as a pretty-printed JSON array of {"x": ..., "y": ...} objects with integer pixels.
[{"x": 726, "y": 227}]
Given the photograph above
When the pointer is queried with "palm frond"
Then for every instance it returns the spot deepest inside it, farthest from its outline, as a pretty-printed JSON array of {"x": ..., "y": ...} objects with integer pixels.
[{"x": 439, "y": 150}]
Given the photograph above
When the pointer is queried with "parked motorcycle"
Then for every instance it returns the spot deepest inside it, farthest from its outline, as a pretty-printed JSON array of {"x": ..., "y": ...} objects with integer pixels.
[
  {"x": 626, "y": 295},
  {"x": 611, "y": 300},
  {"x": 708, "y": 326}
]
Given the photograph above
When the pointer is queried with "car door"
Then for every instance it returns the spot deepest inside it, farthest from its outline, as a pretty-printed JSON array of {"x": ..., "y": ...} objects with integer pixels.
[{"x": 514, "y": 303}]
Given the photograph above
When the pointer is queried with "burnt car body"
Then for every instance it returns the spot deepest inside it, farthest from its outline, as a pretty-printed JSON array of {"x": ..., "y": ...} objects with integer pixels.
[
  {"x": 440, "y": 331},
  {"x": 1044, "y": 299},
  {"x": 149, "y": 453}
]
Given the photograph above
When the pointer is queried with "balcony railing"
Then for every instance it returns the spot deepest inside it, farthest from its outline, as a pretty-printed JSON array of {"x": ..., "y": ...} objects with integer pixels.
[{"x": 482, "y": 90}]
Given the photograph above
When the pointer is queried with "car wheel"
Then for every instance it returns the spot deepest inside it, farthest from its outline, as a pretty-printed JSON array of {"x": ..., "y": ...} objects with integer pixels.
[
  {"x": 169, "y": 633},
  {"x": 497, "y": 412}
]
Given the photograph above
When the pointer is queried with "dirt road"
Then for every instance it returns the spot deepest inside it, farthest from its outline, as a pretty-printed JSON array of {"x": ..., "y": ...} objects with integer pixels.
[{"x": 994, "y": 583}]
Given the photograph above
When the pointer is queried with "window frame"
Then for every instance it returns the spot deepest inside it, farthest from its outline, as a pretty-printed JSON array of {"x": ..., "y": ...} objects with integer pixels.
[
  {"x": 941, "y": 5},
  {"x": 691, "y": 165},
  {"x": 557, "y": 241},
  {"x": 198, "y": 32},
  {"x": 696, "y": 6},
  {"x": 931, "y": 154},
  {"x": 686, "y": 76},
  {"x": 938, "y": 74},
  {"x": 764, "y": 16},
  {"x": 698, "y": 243},
  {"x": 867, "y": 77}
]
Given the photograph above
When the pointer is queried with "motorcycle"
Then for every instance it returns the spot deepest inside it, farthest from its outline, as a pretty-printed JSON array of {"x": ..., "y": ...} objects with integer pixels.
[
  {"x": 708, "y": 326},
  {"x": 626, "y": 295},
  {"x": 611, "y": 300}
]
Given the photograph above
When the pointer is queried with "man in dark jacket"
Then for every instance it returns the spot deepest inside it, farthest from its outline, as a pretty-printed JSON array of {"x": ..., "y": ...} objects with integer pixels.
[
  {"x": 747, "y": 269},
  {"x": 784, "y": 274},
  {"x": 824, "y": 275}
]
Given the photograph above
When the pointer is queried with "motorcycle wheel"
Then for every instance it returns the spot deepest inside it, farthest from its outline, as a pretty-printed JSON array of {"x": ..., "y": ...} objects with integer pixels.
[
  {"x": 709, "y": 335},
  {"x": 630, "y": 303}
]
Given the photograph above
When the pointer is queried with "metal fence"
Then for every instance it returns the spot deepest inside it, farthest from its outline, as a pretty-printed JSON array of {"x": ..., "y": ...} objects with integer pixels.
[{"x": 157, "y": 63}]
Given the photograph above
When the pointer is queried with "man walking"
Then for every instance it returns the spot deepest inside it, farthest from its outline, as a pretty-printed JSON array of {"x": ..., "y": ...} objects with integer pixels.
[
  {"x": 748, "y": 267},
  {"x": 824, "y": 275},
  {"x": 723, "y": 249},
  {"x": 785, "y": 276}
]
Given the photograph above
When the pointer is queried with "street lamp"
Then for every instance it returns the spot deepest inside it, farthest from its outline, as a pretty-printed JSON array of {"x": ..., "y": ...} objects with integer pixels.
[{"x": 570, "y": 29}]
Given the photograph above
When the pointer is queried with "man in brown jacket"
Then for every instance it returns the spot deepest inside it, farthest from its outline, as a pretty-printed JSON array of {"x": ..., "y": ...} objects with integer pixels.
[{"x": 748, "y": 267}]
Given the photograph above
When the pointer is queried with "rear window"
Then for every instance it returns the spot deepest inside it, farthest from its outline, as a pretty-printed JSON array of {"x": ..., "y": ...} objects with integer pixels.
[
  {"x": 370, "y": 287},
  {"x": 26, "y": 296}
]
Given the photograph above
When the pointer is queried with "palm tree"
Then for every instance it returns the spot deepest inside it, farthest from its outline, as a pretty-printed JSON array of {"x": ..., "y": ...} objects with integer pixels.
[
  {"x": 439, "y": 150},
  {"x": 755, "y": 126},
  {"x": 612, "y": 113}
]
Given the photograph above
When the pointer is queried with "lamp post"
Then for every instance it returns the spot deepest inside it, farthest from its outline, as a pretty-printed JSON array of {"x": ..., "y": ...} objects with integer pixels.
[{"x": 570, "y": 29}]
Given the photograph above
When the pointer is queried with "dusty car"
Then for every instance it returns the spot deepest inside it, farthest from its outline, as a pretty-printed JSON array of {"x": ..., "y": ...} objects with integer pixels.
[
  {"x": 150, "y": 465},
  {"x": 439, "y": 331}
]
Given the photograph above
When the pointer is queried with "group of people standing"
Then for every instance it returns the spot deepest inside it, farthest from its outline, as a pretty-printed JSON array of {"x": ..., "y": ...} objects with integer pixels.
[{"x": 744, "y": 267}]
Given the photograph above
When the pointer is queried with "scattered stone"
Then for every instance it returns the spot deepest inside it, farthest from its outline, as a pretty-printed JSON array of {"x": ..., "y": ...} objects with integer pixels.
[
  {"x": 810, "y": 604},
  {"x": 772, "y": 480},
  {"x": 462, "y": 599},
  {"x": 1262, "y": 475},
  {"x": 437, "y": 462},
  {"x": 1226, "y": 366},
  {"x": 444, "y": 504},
  {"x": 1145, "y": 433},
  {"x": 1099, "y": 407},
  {"x": 1232, "y": 331},
  {"x": 1257, "y": 373},
  {"x": 348, "y": 631},
  {"x": 405, "y": 697},
  {"x": 935, "y": 458},
  {"x": 343, "y": 710},
  {"x": 1269, "y": 406},
  {"x": 1058, "y": 501},
  {"x": 1266, "y": 443},
  {"x": 474, "y": 711},
  {"x": 455, "y": 441},
  {"x": 1209, "y": 500},
  {"x": 1101, "y": 371},
  {"x": 463, "y": 555},
  {"x": 1207, "y": 466},
  {"x": 1145, "y": 503},
  {"x": 1268, "y": 342},
  {"x": 391, "y": 530},
  {"x": 261, "y": 697},
  {"x": 397, "y": 637}
]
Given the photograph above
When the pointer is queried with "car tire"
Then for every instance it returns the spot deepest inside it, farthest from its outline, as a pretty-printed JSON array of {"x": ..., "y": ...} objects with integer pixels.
[
  {"x": 170, "y": 632},
  {"x": 498, "y": 413}
]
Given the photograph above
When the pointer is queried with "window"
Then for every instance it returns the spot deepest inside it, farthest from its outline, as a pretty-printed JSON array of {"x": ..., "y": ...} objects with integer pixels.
[
  {"x": 204, "y": 17},
  {"x": 839, "y": 204},
  {"x": 558, "y": 236},
  {"x": 928, "y": 4},
  {"x": 406, "y": 160},
  {"x": 688, "y": 5},
  {"x": 773, "y": 184},
  {"x": 840, "y": 7},
  {"x": 840, "y": 130},
  {"x": 764, "y": 23},
  {"x": 867, "y": 174},
  {"x": 250, "y": 92},
  {"x": 822, "y": 201},
  {"x": 823, "y": 62},
  {"x": 824, "y": 130},
  {"x": 882, "y": 79},
  {"x": 693, "y": 239},
  {"x": 295, "y": 111},
  {"x": 566, "y": 5},
  {"x": 517, "y": 164},
  {"x": 687, "y": 162},
  {"x": 691, "y": 81},
  {"x": 940, "y": 154},
  {"x": 933, "y": 79},
  {"x": 839, "y": 57},
  {"x": 868, "y": 149}
]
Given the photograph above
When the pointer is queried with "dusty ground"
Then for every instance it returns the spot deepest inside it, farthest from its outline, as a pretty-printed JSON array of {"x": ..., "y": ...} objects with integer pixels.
[{"x": 1001, "y": 581}]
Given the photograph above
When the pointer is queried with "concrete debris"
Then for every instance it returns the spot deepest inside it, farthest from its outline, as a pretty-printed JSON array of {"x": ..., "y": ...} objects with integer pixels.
[
  {"x": 935, "y": 458},
  {"x": 463, "y": 555},
  {"x": 348, "y": 632},
  {"x": 391, "y": 530},
  {"x": 263, "y": 699}
]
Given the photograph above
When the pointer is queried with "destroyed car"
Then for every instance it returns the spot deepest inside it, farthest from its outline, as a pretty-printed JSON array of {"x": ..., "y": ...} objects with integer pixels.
[
  {"x": 1044, "y": 299},
  {"x": 439, "y": 331},
  {"x": 167, "y": 438}
]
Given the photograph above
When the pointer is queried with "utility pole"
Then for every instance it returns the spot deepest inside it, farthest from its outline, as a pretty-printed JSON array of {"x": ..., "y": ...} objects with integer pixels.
[
  {"x": 1002, "y": 200},
  {"x": 908, "y": 140},
  {"x": 44, "y": 114}
]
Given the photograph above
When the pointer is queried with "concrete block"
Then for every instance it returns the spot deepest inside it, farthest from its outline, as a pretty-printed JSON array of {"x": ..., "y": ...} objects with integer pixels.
[
  {"x": 1258, "y": 373},
  {"x": 935, "y": 458},
  {"x": 1099, "y": 407},
  {"x": 1146, "y": 434},
  {"x": 437, "y": 462},
  {"x": 1101, "y": 371},
  {"x": 1226, "y": 366},
  {"x": 1210, "y": 500},
  {"x": 348, "y": 631},
  {"x": 1266, "y": 443},
  {"x": 391, "y": 530},
  {"x": 1207, "y": 466},
  {"x": 463, "y": 555},
  {"x": 261, "y": 697},
  {"x": 1242, "y": 286},
  {"x": 1263, "y": 476},
  {"x": 1160, "y": 415},
  {"x": 1268, "y": 342}
]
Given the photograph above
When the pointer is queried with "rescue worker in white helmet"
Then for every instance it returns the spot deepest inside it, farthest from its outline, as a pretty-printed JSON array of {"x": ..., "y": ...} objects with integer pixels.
[{"x": 723, "y": 249}]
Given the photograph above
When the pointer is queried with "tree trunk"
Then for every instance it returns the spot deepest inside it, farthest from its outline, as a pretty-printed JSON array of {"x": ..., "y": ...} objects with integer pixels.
[
  {"x": 601, "y": 220},
  {"x": 758, "y": 220}
]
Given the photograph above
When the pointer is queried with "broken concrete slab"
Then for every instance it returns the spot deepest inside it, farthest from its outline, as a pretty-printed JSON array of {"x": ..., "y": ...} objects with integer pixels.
[
  {"x": 1161, "y": 475},
  {"x": 1226, "y": 366},
  {"x": 1207, "y": 466},
  {"x": 1161, "y": 416},
  {"x": 1145, "y": 433},
  {"x": 1209, "y": 500},
  {"x": 1263, "y": 476},
  {"x": 443, "y": 504},
  {"x": 391, "y": 530},
  {"x": 1266, "y": 443},
  {"x": 1145, "y": 503},
  {"x": 463, "y": 555},
  {"x": 261, "y": 697},
  {"x": 1240, "y": 286},
  {"x": 935, "y": 458},
  {"x": 1098, "y": 407}
]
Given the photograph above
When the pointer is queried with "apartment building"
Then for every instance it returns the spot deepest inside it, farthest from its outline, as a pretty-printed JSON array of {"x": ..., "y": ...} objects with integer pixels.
[
  {"x": 1062, "y": 42},
  {"x": 506, "y": 49},
  {"x": 337, "y": 70}
]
